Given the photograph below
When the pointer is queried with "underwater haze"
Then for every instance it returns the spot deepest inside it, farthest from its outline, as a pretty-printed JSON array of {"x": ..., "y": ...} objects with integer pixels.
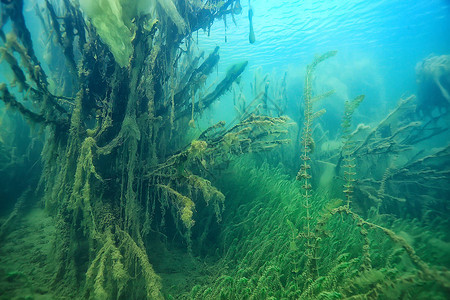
[{"x": 224, "y": 149}]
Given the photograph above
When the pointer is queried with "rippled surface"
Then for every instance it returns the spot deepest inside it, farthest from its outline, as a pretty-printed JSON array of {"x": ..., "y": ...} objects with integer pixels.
[{"x": 289, "y": 31}]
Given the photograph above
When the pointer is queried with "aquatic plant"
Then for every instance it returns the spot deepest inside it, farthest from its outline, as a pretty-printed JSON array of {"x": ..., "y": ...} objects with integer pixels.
[
  {"x": 350, "y": 107},
  {"x": 303, "y": 175},
  {"x": 345, "y": 256}
]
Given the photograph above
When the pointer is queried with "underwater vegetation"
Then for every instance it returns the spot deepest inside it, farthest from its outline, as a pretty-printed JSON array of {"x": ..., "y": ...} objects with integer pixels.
[{"x": 142, "y": 200}]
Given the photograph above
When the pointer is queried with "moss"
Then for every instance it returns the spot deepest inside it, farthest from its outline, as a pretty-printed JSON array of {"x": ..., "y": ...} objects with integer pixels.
[
  {"x": 184, "y": 205},
  {"x": 197, "y": 149},
  {"x": 108, "y": 277},
  {"x": 209, "y": 192},
  {"x": 80, "y": 198}
]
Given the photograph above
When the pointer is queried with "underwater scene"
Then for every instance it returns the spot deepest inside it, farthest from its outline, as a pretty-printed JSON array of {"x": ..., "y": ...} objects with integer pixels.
[{"x": 224, "y": 149}]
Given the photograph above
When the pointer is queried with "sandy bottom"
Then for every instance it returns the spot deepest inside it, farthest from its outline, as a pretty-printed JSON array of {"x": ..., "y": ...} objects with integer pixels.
[{"x": 25, "y": 272}]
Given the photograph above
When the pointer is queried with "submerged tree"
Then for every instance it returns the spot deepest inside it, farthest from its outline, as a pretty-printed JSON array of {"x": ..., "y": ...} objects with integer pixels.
[{"x": 115, "y": 155}]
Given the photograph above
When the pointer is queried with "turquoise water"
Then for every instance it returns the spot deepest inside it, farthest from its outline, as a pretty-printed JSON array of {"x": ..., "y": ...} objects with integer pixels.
[
  {"x": 392, "y": 33},
  {"x": 144, "y": 158},
  {"x": 379, "y": 44}
]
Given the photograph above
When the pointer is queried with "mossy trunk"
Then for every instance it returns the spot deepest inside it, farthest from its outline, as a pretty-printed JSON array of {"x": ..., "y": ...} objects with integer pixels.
[{"x": 106, "y": 134}]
